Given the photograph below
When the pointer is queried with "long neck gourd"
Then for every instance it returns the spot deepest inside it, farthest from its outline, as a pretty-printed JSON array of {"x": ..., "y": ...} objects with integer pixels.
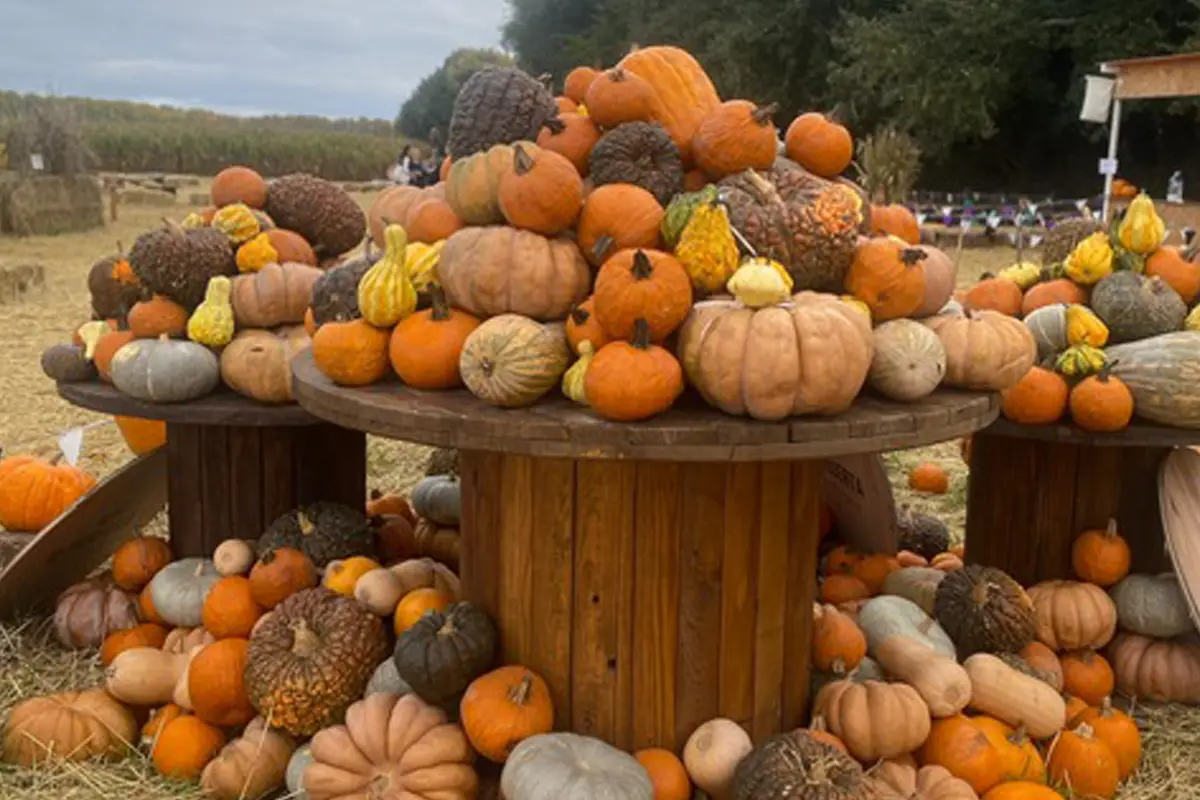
[{"x": 385, "y": 293}]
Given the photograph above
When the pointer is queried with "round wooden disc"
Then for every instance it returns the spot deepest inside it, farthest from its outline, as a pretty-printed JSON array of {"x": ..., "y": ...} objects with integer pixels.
[
  {"x": 222, "y": 407},
  {"x": 1138, "y": 434},
  {"x": 692, "y": 431}
]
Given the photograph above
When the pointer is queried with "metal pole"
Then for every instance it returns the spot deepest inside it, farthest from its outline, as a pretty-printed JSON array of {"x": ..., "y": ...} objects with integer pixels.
[{"x": 1114, "y": 136}]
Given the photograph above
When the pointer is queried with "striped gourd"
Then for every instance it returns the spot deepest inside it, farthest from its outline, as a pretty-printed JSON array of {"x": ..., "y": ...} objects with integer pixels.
[
  {"x": 1163, "y": 372},
  {"x": 511, "y": 361}
]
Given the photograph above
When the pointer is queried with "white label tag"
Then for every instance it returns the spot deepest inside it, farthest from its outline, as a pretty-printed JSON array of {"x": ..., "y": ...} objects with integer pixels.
[
  {"x": 1108, "y": 166},
  {"x": 71, "y": 443}
]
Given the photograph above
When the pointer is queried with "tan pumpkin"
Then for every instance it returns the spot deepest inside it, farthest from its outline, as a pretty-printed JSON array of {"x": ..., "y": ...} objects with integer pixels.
[
  {"x": 511, "y": 361},
  {"x": 808, "y": 356},
  {"x": 278, "y": 294},
  {"x": 181, "y": 641},
  {"x": 258, "y": 363},
  {"x": 942, "y": 683},
  {"x": 421, "y": 573},
  {"x": 233, "y": 557},
  {"x": 712, "y": 753},
  {"x": 985, "y": 350},
  {"x": 1073, "y": 615},
  {"x": 473, "y": 186},
  {"x": 899, "y": 779},
  {"x": 1013, "y": 697},
  {"x": 941, "y": 276},
  {"x": 75, "y": 726},
  {"x": 393, "y": 205},
  {"x": 1157, "y": 670},
  {"x": 875, "y": 720},
  {"x": 144, "y": 676},
  {"x": 909, "y": 361},
  {"x": 497, "y": 270},
  {"x": 250, "y": 766}
]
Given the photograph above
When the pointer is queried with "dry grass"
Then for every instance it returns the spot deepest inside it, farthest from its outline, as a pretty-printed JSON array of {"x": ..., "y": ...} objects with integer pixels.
[{"x": 32, "y": 663}]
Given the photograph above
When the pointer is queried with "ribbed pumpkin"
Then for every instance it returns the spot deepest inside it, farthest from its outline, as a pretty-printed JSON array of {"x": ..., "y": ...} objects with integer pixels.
[
  {"x": 909, "y": 360},
  {"x": 888, "y": 277},
  {"x": 735, "y": 136},
  {"x": 941, "y": 275},
  {"x": 616, "y": 217},
  {"x": 473, "y": 186},
  {"x": 572, "y": 136},
  {"x": 353, "y": 353},
  {"x": 33, "y": 492},
  {"x": 994, "y": 294},
  {"x": 633, "y": 381},
  {"x": 1134, "y": 307},
  {"x": 385, "y": 293},
  {"x": 541, "y": 192},
  {"x": 511, "y": 361},
  {"x": 642, "y": 284},
  {"x": 985, "y": 350},
  {"x": 577, "y": 83}
]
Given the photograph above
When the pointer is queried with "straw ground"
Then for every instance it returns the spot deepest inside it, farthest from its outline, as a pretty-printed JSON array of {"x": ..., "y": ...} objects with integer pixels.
[{"x": 32, "y": 416}]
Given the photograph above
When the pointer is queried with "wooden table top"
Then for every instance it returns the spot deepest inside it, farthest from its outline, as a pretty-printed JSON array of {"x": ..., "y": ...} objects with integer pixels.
[
  {"x": 557, "y": 428},
  {"x": 223, "y": 407},
  {"x": 1138, "y": 434}
]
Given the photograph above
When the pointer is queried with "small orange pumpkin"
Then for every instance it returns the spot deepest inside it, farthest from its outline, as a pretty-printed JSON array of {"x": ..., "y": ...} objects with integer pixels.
[
  {"x": 1039, "y": 398},
  {"x": 33, "y": 492},
  {"x": 566, "y": 105},
  {"x": 994, "y": 294},
  {"x": 957, "y": 745},
  {"x": 1101, "y": 556},
  {"x": 238, "y": 185},
  {"x": 667, "y": 774},
  {"x": 216, "y": 685},
  {"x": 618, "y": 216},
  {"x": 542, "y": 192},
  {"x": 578, "y": 81},
  {"x": 819, "y": 730},
  {"x": 353, "y": 353},
  {"x": 107, "y": 347},
  {"x": 1182, "y": 276},
  {"x": 138, "y": 560},
  {"x": 633, "y": 381},
  {"x": 841, "y": 559},
  {"x": 146, "y": 609},
  {"x": 431, "y": 219},
  {"x": 873, "y": 570},
  {"x": 425, "y": 347},
  {"x": 185, "y": 746},
  {"x": 1019, "y": 756},
  {"x": 230, "y": 610},
  {"x": 642, "y": 284},
  {"x": 148, "y": 634},
  {"x": 819, "y": 144},
  {"x": 582, "y": 326},
  {"x": 279, "y": 574},
  {"x": 842, "y": 588},
  {"x": 1075, "y": 707},
  {"x": 895, "y": 220},
  {"x": 503, "y": 708},
  {"x": 887, "y": 275},
  {"x": 158, "y": 316},
  {"x": 572, "y": 136},
  {"x": 930, "y": 478},
  {"x": 1088, "y": 676},
  {"x": 1101, "y": 402},
  {"x": 1059, "y": 290},
  {"x": 341, "y": 575},
  {"x": 159, "y": 719},
  {"x": 619, "y": 96},
  {"x": 838, "y": 644},
  {"x": 142, "y": 435},
  {"x": 1085, "y": 763},
  {"x": 1116, "y": 729},
  {"x": 416, "y": 604}
]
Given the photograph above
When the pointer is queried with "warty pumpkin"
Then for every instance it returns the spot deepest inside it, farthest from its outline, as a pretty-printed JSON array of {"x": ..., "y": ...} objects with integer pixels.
[
  {"x": 797, "y": 759},
  {"x": 897, "y": 719},
  {"x": 1073, "y": 615},
  {"x": 74, "y": 726},
  {"x": 34, "y": 492},
  {"x": 616, "y": 217},
  {"x": 511, "y": 361},
  {"x": 572, "y": 136},
  {"x": 1038, "y": 398},
  {"x": 503, "y": 708},
  {"x": 819, "y": 144},
  {"x": 887, "y": 275},
  {"x": 735, "y": 136},
  {"x": 498, "y": 270},
  {"x": 810, "y": 355},
  {"x": 641, "y": 154},
  {"x": 1162, "y": 671},
  {"x": 985, "y": 350},
  {"x": 683, "y": 92},
  {"x": 984, "y": 610}
]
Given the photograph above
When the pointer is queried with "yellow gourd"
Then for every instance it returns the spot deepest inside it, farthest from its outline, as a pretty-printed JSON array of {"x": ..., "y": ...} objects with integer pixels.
[
  {"x": 1192, "y": 323},
  {"x": 238, "y": 222},
  {"x": 581, "y": 109},
  {"x": 386, "y": 294},
  {"x": 574, "y": 382},
  {"x": 90, "y": 333},
  {"x": 1080, "y": 361},
  {"x": 422, "y": 260},
  {"x": 256, "y": 254},
  {"x": 1023, "y": 274},
  {"x": 1084, "y": 327},
  {"x": 193, "y": 220},
  {"x": 1090, "y": 261},
  {"x": 1142, "y": 230},
  {"x": 760, "y": 282},
  {"x": 707, "y": 248},
  {"x": 856, "y": 304},
  {"x": 211, "y": 324}
]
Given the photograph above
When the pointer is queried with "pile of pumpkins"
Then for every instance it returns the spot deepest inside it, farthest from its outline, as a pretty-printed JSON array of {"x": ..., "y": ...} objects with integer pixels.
[
  {"x": 1115, "y": 325},
  {"x": 982, "y": 688},
  {"x": 647, "y": 237}
]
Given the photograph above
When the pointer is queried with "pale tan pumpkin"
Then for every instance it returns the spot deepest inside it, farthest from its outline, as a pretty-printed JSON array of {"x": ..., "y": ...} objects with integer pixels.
[
  {"x": 1072, "y": 615},
  {"x": 75, "y": 726},
  {"x": 497, "y": 270},
  {"x": 182, "y": 640},
  {"x": 941, "y": 276},
  {"x": 1013, "y": 697},
  {"x": 985, "y": 350},
  {"x": 278, "y": 294},
  {"x": 942, "y": 683},
  {"x": 258, "y": 363},
  {"x": 876, "y": 720},
  {"x": 899, "y": 779},
  {"x": 144, "y": 676},
  {"x": 909, "y": 361},
  {"x": 511, "y": 361},
  {"x": 810, "y": 355},
  {"x": 249, "y": 767},
  {"x": 423, "y": 573}
]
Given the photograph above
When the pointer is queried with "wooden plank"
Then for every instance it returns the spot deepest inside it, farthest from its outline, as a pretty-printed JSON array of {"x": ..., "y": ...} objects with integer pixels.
[
  {"x": 218, "y": 473},
  {"x": 515, "y": 542},
  {"x": 1140, "y": 516},
  {"x": 803, "y": 543},
  {"x": 702, "y": 548},
  {"x": 481, "y": 501},
  {"x": 1051, "y": 510},
  {"x": 330, "y": 464},
  {"x": 603, "y": 515},
  {"x": 185, "y": 507},
  {"x": 246, "y": 493},
  {"x": 86, "y": 534},
  {"x": 769, "y": 624},
  {"x": 221, "y": 408},
  {"x": 277, "y": 451},
  {"x": 739, "y": 600},
  {"x": 1180, "y": 78},
  {"x": 621, "y": 658},
  {"x": 552, "y": 556},
  {"x": 656, "y": 603}
]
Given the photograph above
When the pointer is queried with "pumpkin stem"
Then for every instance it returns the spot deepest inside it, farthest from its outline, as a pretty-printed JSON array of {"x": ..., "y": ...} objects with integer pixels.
[
  {"x": 838, "y": 667},
  {"x": 580, "y": 315},
  {"x": 305, "y": 524},
  {"x": 642, "y": 268},
  {"x": 602, "y": 246},
  {"x": 984, "y": 276},
  {"x": 641, "y": 334},
  {"x": 547, "y": 80},
  {"x": 57, "y": 457},
  {"x": 486, "y": 366},
  {"x": 617, "y": 75},
  {"x": 911, "y": 256},
  {"x": 441, "y": 309},
  {"x": 1019, "y": 737},
  {"x": 555, "y": 125},
  {"x": 519, "y": 694},
  {"x": 818, "y": 723},
  {"x": 1085, "y": 731},
  {"x": 1110, "y": 530},
  {"x": 305, "y": 641},
  {"x": 376, "y": 494},
  {"x": 522, "y": 161},
  {"x": 763, "y": 114}
]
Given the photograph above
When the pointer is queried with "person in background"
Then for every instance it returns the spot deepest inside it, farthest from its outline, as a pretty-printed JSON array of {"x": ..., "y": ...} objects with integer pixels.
[
  {"x": 401, "y": 171},
  {"x": 435, "y": 142}
]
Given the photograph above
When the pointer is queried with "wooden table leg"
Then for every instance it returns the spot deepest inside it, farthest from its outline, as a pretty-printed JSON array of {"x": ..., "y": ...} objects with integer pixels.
[
  {"x": 233, "y": 481},
  {"x": 1028, "y": 500},
  {"x": 651, "y": 596}
]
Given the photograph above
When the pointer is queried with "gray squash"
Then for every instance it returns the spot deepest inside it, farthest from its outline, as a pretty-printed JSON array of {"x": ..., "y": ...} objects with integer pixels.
[
  {"x": 1135, "y": 307},
  {"x": 67, "y": 363},
  {"x": 179, "y": 589},
  {"x": 438, "y": 498},
  {"x": 567, "y": 766},
  {"x": 165, "y": 370},
  {"x": 387, "y": 680},
  {"x": 1048, "y": 325},
  {"x": 888, "y": 615},
  {"x": 1152, "y": 605}
]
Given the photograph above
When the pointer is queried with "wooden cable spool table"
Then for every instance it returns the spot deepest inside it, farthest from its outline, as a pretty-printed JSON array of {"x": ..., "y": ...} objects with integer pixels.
[
  {"x": 234, "y": 465},
  {"x": 655, "y": 574},
  {"x": 1034, "y": 488}
]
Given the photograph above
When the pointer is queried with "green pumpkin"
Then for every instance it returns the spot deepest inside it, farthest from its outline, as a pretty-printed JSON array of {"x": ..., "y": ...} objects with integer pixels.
[
  {"x": 679, "y": 213},
  {"x": 444, "y": 651},
  {"x": 323, "y": 531}
]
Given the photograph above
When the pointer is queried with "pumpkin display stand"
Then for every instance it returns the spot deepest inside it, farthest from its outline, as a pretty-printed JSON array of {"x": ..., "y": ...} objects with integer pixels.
[
  {"x": 1034, "y": 488},
  {"x": 656, "y": 574},
  {"x": 234, "y": 465}
]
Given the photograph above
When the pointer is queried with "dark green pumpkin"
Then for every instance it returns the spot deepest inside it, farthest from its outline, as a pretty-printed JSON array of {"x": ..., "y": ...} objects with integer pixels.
[
  {"x": 795, "y": 765},
  {"x": 984, "y": 611},
  {"x": 67, "y": 363},
  {"x": 1135, "y": 307},
  {"x": 323, "y": 531},
  {"x": 444, "y": 651}
]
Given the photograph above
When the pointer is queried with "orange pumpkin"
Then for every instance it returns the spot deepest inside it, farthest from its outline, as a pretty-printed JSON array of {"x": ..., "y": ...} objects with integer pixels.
[
  {"x": 572, "y": 136},
  {"x": 642, "y": 284},
  {"x": 159, "y": 719},
  {"x": 1022, "y": 790},
  {"x": 1101, "y": 402},
  {"x": 1019, "y": 757},
  {"x": 819, "y": 144},
  {"x": 1116, "y": 729},
  {"x": 615, "y": 217},
  {"x": 873, "y": 571},
  {"x": 1075, "y": 707},
  {"x": 158, "y": 316},
  {"x": 279, "y": 574},
  {"x": 1039, "y": 398},
  {"x": 694, "y": 180},
  {"x": 618, "y": 96},
  {"x": 352, "y": 353},
  {"x": 887, "y": 275},
  {"x": 380, "y": 504},
  {"x": 1041, "y": 657},
  {"x": 107, "y": 347},
  {"x": 1060, "y": 290},
  {"x": 416, "y": 604},
  {"x": 291, "y": 248},
  {"x": 994, "y": 294},
  {"x": 142, "y": 435},
  {"x": 138, "y": 560},
  {"x": 633, "y": 381},
  {"x": 238, "y": 185},
  {"x": 841, "y": 588},
  {"x": 425, "y": 346},
  {"x": 841, "y": 559},
  {"x": 667, "y": 774},
  {"x": 185, "y": 746},
  {"x": 736, "y": 136},
  {"x": 819, "y": 730},
  {"x": 1101, "y": 556},
  {"x": 230, "y": 610},
  {"x": 148, "y": 634},
  {"x": 430, "y": 220},
  {"x": 34, "y": 492},
  {"x": 957, "y": 745},
  {"x": 930, "y": 478},
  {"x": 838, "y": 644},
  {"x": 444, "y": 169},
  {"x": 682, "y": 91},
  {"x": 566, "y": 105},
  {"x": 1088, "y": 676},
  {"x": 503, "y": 708},
  {"x": 1182, "y": 276},
  {"x": 542, "y": 192},
  {"x": 895, "y": 220},
  {"x": 582, "y": 326},
  {"x": 146, "y": 609},
  {"x": 216, "y": 685},
  {"x": 577, "y": 83},
  {"x": 1085, "y": 763}
]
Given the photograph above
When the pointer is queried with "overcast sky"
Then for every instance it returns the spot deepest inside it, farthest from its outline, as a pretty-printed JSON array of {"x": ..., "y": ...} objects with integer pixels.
[{"x": 340, "y": 59}]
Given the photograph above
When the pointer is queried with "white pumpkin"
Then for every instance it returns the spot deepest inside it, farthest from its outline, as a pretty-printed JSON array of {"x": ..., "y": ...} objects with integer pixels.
[
  {"x": 567, "y": 766},
  {"x": 1048, "y": 325},
  {"x": 909, "y": 360},
  {"x": 179, "y": 589},
  {"x": 889, "y": 615},
  {"x": 1152, "y": 605}
]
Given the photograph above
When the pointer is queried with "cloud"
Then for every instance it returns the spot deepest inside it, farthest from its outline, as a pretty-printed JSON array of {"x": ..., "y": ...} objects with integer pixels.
[{"x": 279, "y": 56}]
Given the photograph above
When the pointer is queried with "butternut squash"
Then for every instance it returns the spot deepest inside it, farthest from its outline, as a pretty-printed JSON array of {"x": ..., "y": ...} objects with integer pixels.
[
  {"x": 1009, "y": 696},
  {"x": 181, "y": 696},
  {"x": 942, "y": 683},
  {"x": 144, "y": 676}
]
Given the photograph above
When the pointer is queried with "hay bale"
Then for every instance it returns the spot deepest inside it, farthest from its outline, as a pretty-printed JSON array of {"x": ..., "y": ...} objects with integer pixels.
[
  {"x": 46, "y": 205},
  {"x": 147, "y": 197},
  {"x": 18, "y": 279}
]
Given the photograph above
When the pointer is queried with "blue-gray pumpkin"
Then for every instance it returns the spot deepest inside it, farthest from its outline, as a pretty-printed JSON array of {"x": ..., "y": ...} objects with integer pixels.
[{"x": 438, "y": 498}]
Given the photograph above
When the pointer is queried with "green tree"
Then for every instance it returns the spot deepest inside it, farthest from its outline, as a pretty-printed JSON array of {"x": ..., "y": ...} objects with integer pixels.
[{"x": 432, "y": 103}]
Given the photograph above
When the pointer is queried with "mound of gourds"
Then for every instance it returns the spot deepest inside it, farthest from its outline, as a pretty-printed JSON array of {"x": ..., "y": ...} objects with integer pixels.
[
  {"x": 220, "y": 298},
  {"x": 637, "y": 235},
  {"x": 960, "y": 674},
  {"x": 1115, "y": 324}
]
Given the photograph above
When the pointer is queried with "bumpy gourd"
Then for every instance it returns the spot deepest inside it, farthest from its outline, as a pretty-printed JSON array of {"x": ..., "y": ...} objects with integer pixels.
[
  {"x": 211, "y": 324},
  {"x": 1023, "y": 274},
  {"x": 238, "y": 222},
  {"x": 574, "y": 383},
  {"x": 760, "y": 282},
  {"x": 1084, "y": 327},
  {"x": 256, "y": 254},
  {"x": 1090, "y": 261},
  {"x": 856, "y": 304},
  {"x": 422, "y": 260},
  {"x": 386, "y": 294},
  {"x": 1142, "y": 230},
  {"x": 1080, "y": 361},
  {"x": 679, "y": 212},
  {"x": 707, "y": 248}
]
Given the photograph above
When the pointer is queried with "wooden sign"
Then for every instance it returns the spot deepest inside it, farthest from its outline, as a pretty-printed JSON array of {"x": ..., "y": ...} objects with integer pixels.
[
  {"x": 1179, "y": 503},
  {"x": 859, "y": 494}
]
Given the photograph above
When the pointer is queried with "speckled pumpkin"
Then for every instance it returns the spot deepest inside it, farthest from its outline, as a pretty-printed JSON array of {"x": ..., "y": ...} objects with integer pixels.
[
  {"x": 311, "y": 658},
  {"x": 984, "y": 610},
  {"x": 511, "y": 361}
]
